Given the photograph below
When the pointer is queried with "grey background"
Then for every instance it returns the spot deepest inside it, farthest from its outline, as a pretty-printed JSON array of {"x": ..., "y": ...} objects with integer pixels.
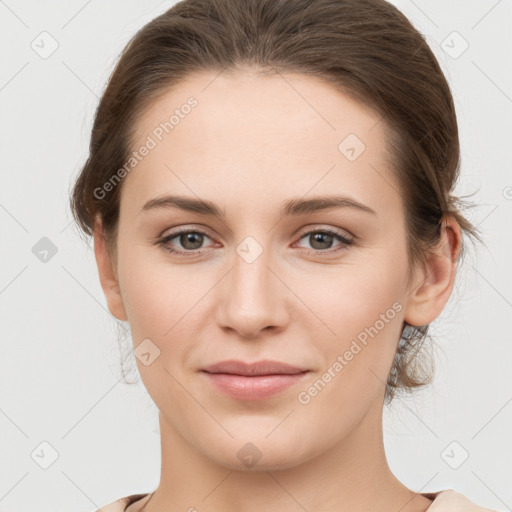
[{"x": 60, "y": 365}]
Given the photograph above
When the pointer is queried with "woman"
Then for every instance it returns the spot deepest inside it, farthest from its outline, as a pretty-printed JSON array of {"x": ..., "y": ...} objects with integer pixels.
[{"x": 269, "y": 188}]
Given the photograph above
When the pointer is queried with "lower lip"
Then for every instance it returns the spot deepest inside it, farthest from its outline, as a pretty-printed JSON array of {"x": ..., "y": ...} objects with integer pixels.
[{"x": 253, "y": 388}]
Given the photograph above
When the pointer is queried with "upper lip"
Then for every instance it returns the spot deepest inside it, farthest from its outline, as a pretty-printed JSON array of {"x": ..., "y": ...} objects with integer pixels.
[{"x": 265, "y": 367}]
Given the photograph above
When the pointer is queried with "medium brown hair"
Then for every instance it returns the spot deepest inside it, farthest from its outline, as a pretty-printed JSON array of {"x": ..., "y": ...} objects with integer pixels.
[{"x": 366, "y": 49}]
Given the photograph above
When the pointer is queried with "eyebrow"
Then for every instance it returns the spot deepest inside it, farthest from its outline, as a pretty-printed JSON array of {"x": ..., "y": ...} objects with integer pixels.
[{"x": 291, "y": 207}]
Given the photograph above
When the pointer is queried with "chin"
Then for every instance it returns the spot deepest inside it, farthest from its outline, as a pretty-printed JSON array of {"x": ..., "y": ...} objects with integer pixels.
[{"x": 258, "y": 455}]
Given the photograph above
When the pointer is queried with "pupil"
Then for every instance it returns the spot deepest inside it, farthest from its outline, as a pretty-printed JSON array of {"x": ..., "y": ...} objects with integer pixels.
[
  {"x": 322, "y": 238},
  {"x": 187, "y": 238}
]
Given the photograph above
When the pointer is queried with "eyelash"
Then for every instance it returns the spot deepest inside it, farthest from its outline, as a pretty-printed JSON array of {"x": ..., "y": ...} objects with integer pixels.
[{"x": 165, "y": 240}]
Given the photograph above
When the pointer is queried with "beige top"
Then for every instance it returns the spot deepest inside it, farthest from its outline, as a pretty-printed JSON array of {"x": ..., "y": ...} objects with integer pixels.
[{"x": 444, "y": 501}]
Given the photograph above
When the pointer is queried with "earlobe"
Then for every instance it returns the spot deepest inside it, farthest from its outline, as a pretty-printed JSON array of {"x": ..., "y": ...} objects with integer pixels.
[
  {"x": 433, "y": 284},
  {"x": 108, "y": 279}
]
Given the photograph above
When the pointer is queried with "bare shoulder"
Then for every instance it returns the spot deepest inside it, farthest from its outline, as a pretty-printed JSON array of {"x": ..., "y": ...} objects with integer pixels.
[
  {"x": 453, "y": 501},
  {"x": 121, "y": 504}
]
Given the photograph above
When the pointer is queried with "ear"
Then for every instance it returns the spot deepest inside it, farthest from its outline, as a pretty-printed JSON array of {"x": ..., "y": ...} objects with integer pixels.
[
  {"x": 432, "y": 285},
  {"x": 107, "y": 274}
]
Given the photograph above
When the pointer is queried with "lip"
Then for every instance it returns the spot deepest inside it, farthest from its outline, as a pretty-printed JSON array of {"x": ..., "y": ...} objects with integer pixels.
[
  {"x": 253, "y": 381},
  {"x": 258, "y": 368}
]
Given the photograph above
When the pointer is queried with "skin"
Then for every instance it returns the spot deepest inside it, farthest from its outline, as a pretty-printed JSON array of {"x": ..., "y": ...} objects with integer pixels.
[{"x": 252, "y": 143}]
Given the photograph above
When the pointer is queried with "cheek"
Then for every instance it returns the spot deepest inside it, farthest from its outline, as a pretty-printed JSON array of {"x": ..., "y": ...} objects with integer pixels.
[
  {"x": 163, "y": 304},
  {"x": 168, "y": 305},
  {"x": 352, "y": 297},
  {"x": 363, "y": 307},
  {"x": 157, "y": 295}
]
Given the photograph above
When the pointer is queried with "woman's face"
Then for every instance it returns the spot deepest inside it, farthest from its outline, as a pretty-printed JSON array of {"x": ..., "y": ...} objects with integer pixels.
[{"x": 273, "y": 276}]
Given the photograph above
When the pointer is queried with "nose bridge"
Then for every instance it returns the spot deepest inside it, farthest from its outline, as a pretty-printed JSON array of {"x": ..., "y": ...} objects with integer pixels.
[
  {"x": 250, "y": 277},
  {"x": 251, "y": 298}
]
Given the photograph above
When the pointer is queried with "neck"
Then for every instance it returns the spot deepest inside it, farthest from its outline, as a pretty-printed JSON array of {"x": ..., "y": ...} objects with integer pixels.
[{"x": 351, "y": 476}]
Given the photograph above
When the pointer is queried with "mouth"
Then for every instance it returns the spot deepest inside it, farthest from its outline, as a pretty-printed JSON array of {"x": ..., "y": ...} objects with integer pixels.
[
  {"x": 253, "y": 381},
  {"x": 256, "y": 369}
]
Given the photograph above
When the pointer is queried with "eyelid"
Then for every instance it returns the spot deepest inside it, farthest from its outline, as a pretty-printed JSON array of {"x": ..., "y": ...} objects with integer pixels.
[
  {"x": 344, "y": 241},
  {"x": 327, "y": 229},
  {"x": 165, "y": 238},
  {"x": 185, "y": 227},
  {"x": 305, "y": 231}
]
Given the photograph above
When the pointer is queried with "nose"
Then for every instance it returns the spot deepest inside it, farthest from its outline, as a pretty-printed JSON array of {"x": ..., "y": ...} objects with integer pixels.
[{"x": 252, "y": 298}]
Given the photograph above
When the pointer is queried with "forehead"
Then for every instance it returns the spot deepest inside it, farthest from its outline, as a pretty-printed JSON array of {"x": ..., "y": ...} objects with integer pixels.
[
  {"x": 307, "y": 107},
  {"x": 214, "y": 132}
]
